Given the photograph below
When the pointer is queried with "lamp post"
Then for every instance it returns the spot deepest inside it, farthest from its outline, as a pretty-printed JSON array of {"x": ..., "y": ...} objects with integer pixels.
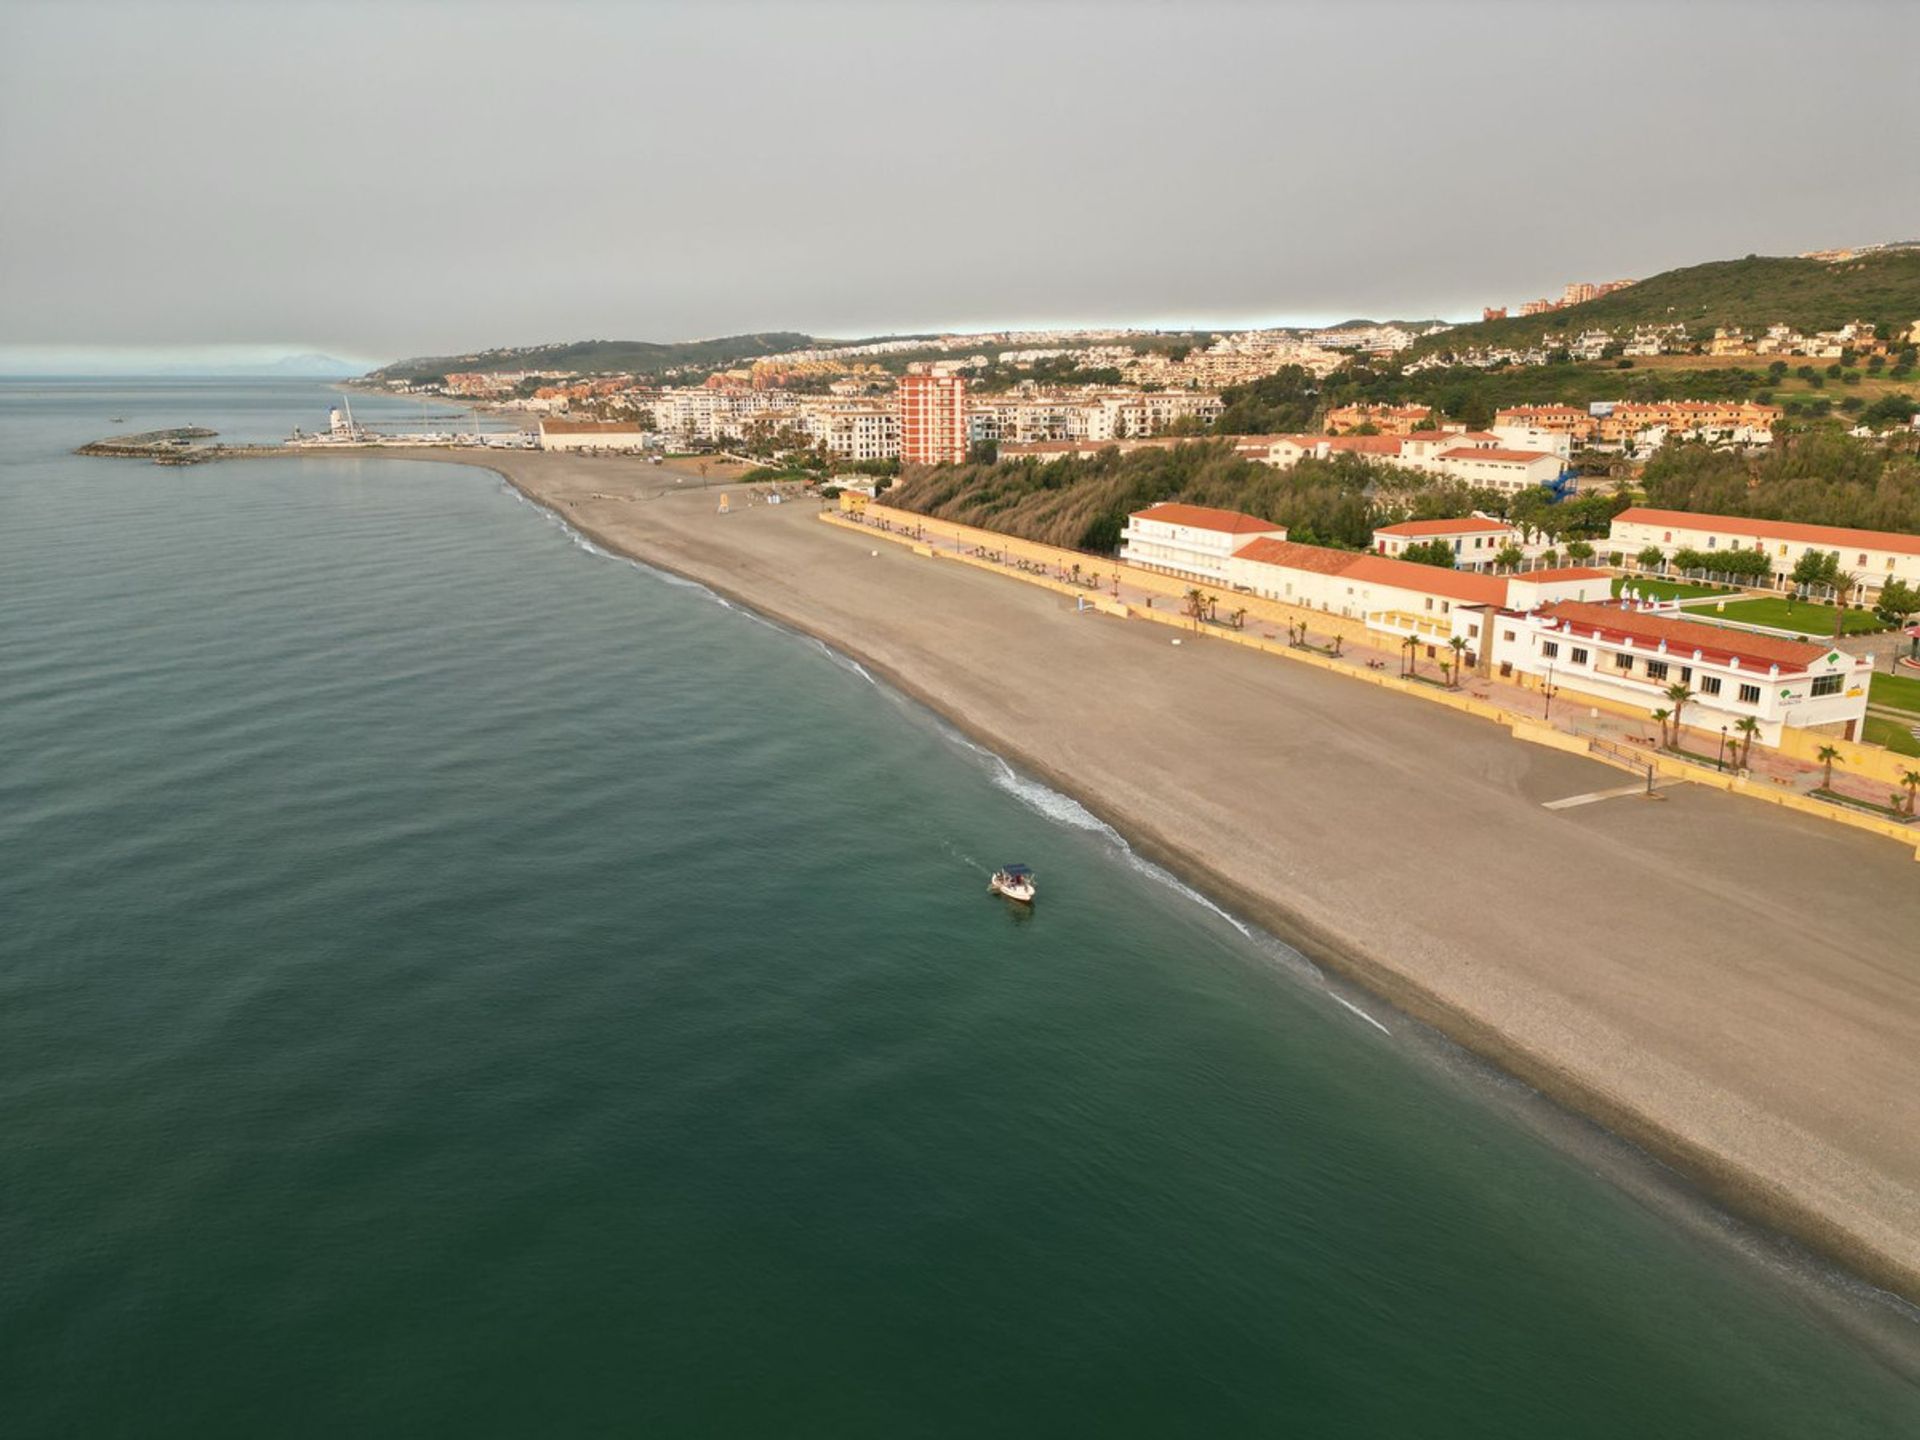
[
  {"x": 1719, "y": 761},
  {"x": 1548, "y": 691}
]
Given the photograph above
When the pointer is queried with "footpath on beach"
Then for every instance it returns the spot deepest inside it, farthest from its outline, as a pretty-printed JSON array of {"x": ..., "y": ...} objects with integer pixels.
[{"x": 1787, "y": 776}]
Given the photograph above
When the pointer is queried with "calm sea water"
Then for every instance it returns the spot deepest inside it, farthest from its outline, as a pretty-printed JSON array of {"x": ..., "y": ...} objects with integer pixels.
[{"x": 452, "y": 982}]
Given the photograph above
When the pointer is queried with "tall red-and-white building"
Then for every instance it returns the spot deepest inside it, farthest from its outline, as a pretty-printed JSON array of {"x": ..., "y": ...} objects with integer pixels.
[{"x": 933, "y": 419}]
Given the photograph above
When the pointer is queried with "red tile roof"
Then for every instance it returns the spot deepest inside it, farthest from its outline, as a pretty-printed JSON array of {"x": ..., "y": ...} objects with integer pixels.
[
  {"x": 1316, "y": 558},
  {"x": 1471, "y": 525},
  {"x": 1458, "y": 585},
  {"x": 1836, "y": 536},
  {"x": 1380, "y": 570},
  {"x": 1205, "y": 517},
  {"x": 1518, "y": 457},
  {"x": 1565, "y": 572},
  {"x": 1683, "y": 637}
]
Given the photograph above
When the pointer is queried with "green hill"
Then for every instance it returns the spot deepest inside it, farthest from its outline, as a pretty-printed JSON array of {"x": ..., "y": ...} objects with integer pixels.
[
  {"x": 1752, "y": 293},
  {"x": 636, "y": 357}
]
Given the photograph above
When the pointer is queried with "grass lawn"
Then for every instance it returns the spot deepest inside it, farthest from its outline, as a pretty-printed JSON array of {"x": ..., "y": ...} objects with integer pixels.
[
  {"x": 1806, "y": 618},
  {"x": 1664, "y": 589},
  {"x": 1892, "y": 734},
  {"x": 1895, "y": 690}
]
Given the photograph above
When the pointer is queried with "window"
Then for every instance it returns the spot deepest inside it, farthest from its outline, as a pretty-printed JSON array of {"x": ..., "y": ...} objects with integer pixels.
[
  {"x": 1506, "y": 635},
  {"x": 1749, "y": 694},
  {"x": 1549, "y": 648},
  {"x": 1709, "y": 684},
  {"x": 1623, "y": 661},
  {"x": 1827, "y": 685},
  {"x": 1579, "y": 656},
  {"x": 1686, "y": 674},
  {"x": 1656, "y": 669}
]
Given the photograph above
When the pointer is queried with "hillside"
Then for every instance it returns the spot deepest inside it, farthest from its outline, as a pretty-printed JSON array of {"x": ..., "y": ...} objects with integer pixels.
[
  {"x": 636, "y": 357},
  {"x": 1753, "y": 293},
  {"x": 1084, "y": 503}
]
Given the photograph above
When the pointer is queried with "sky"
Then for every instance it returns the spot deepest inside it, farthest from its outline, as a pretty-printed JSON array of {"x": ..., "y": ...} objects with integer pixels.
[{"x": 378, "y": 181}]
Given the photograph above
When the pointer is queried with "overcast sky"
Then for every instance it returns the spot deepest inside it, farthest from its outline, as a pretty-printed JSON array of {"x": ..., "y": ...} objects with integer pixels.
[{"x": 378, "y": 181}]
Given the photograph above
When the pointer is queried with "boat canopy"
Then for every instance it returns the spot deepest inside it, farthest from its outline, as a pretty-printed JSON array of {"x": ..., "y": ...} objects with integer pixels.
[{"x": 1016, "y": 870}]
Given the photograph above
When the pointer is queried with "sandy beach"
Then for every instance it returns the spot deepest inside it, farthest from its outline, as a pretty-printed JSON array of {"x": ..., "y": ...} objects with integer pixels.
[{"x": 1733, "y": 987}]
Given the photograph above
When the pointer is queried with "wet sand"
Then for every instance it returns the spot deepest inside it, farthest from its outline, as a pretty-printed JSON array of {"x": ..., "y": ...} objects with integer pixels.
[{"x": 1733, "y": 987}]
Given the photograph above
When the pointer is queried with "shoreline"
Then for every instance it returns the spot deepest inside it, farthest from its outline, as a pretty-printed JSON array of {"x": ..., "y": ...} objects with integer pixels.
[{"x": 1739, "y": 1188}]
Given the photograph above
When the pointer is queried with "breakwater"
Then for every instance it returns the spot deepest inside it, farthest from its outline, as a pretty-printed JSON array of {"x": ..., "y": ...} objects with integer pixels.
[{"x": 183, "y": 445}]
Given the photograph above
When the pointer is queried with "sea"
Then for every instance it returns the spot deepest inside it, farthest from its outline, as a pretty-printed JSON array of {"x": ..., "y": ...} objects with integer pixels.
[{"x": 454, "y": 981}]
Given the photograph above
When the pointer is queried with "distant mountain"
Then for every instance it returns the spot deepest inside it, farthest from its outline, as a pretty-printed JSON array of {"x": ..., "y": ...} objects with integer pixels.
[
  {"x": 1761, "y": 290},
  {"x": 308, "y": 366},
  {"x": 633, "y": 357}
]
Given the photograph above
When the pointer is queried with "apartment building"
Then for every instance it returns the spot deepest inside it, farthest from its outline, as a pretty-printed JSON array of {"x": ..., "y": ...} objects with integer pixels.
[
  {"x": 1873, "y": 557},
  {"x": 933, "y": 419},
  {"x": 1739, "y": 422},
  {"x": 853, "y": 429},
  {"x": 1387, "y": 419},
  {"x": 1578, "y": 425},
  {"x": 1631, "y": 656}
]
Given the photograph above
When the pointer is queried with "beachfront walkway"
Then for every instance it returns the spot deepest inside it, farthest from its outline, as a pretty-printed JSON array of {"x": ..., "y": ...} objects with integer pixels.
[{"x": 1615, "y": 737}]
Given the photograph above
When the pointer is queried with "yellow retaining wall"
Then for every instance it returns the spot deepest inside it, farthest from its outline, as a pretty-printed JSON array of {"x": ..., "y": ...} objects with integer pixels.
[{"x": 1874, "y": 761}]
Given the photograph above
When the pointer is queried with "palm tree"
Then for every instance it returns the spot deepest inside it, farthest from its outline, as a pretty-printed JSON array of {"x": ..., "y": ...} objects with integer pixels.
[
  {"x": 1196, "y": 604},
  {"x": 1458, "y": 644},
  {"x": 1239, "y": 618},
  {"x": 1679, "y": 694},
  {"x": 1748, "y": 728},
  {"x": 1826, "y": 755},
  {"x": 1411, "y": 647},
  {"x": 1912, "y": 781},
  {"x": 1843, "y": 584},
  {"x": 1663, "y": 715}
]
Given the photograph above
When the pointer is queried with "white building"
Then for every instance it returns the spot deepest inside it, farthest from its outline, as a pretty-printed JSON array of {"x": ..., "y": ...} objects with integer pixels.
[
  {"x": 1508, "y": 471},
  {"x": 1399, "y": 597},
  {"x": 1873, "y": 557},
  {"x": 1630, "y": 656},
  {"x": 602, "y": 435},
  {"x": 854, "y": 429},
  {"x": 1475, "y": 540},
  {"x": 1192, "y": 540}
]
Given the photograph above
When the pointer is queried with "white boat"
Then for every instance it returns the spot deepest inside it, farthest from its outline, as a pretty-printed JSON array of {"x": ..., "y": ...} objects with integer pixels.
[{"x": 1013, "y": 881}]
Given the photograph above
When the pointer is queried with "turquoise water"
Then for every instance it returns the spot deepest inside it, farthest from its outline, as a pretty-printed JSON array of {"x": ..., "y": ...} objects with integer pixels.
[{"x": 455, "y": 983}]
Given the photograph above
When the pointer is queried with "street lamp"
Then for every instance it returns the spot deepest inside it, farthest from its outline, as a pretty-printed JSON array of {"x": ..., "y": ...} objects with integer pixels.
[
  {"x": 1719, "y": 760},
  {"x": 1548, "y": 691}
]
